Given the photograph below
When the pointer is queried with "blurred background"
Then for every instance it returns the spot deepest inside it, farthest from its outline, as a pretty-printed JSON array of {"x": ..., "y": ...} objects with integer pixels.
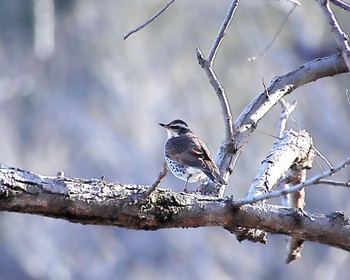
[{"x": 75, "y": 97}]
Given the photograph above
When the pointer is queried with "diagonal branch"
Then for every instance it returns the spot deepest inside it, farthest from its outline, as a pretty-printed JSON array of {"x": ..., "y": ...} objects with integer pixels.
[
  {"x": 295, "y": 5},
  {"x": 215, "y": 47},
  {"x": 158, "y": 181},
  {"x": 341, "y": 4},
  {"x": 281, "y": 86},
  {"x": 162, "y": 10},
  {"x": 340, "y": 36}
]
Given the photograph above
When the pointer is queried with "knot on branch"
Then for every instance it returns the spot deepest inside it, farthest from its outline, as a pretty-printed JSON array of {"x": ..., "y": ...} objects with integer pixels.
[
  {"x": 339, "y": 217},
  {"x": 253, "y": 235},
  {"x": 201, "y": 59}
]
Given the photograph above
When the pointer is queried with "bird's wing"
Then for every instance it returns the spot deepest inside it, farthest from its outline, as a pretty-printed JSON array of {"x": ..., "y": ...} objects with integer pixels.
[
  {"x": 192, "y": 151},
  {"x": 189, "y": 151}
]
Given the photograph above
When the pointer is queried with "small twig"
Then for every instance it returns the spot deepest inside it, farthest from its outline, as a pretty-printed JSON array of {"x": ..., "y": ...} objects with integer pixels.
[
  {"x": 322, "y": 157},
  {"x": 229, "y": 16},
  {"x": 158, "y": 181},
  {"x": 265, "y": 89},
  {"x": 340, "y": 37},
  {"x": 334, "y": 183},
  {"x": 295, "y": 4},
  {"x": 297, "y": 187},
  {"x": 127, "y": 35},
  {"x": 341, "y": 4},
  {"x": 287, "y": 110},
  {"x": 347, "y": 97}
]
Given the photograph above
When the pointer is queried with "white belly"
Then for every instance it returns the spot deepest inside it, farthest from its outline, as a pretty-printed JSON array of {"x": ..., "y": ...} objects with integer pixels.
[{"x": 196, "y": 174}]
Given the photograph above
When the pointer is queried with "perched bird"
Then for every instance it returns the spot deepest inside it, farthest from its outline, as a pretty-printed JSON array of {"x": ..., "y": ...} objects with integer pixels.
[{"x": 187, "y": 156}]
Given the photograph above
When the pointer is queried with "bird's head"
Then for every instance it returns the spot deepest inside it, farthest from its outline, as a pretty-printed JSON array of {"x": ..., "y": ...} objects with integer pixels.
[{"x": 176, "y": 128}]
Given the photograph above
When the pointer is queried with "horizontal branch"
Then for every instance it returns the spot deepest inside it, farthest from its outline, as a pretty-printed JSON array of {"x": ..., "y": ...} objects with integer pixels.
[{"x": 92, "y": 201}]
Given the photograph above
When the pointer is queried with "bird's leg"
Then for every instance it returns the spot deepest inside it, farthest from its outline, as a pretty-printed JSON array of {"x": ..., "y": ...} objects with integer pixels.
[{"x": 185, "y": 186}]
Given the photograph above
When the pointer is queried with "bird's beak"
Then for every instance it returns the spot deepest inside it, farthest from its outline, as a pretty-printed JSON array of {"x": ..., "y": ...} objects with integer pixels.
[{"x": 164, "y": 125}]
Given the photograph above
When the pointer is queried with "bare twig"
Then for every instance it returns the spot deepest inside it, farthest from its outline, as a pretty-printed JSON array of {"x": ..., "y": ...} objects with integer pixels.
[
  {"x": 295, "y": 4},
  {"x": 347, "y": 97},
  {"x": 215, "y": 47},
  {"x": 341, "y": 4},
  {"x": 158, "y": 181},
  {"x": 265, "y": 88},
  {"x": 207, "y": 66},
  {"x": 220, "y": 92},
  {"x": 323, "y": 157},
  {"x": 334, "y": 183},
  {"x": 278, "y": 193},
  {"x": 127, "y": 35},
  {"x": 340, "y": 36}
]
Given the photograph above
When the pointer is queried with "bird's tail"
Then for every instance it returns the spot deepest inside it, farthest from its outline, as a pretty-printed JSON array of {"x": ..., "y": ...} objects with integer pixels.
[{"x": 215, "y": 177}]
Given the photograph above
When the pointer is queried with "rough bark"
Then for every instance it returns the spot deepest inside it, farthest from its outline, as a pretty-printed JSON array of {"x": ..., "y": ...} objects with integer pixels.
[{"x": 92, "y": 201}]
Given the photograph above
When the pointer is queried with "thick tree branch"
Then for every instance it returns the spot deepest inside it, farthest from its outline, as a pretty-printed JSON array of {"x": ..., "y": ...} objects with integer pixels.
[
  {"x": 98, "y": 202},
  {"x": 294, "y": 148},
  {"x": 280, "y": 87}
]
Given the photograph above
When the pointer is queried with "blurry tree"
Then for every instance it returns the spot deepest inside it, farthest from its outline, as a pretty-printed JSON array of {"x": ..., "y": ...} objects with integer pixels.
[{"x": 96, "y": 201}]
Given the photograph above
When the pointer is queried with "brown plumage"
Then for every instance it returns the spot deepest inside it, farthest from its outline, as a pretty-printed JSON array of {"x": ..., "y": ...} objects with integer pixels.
[{"x": 187, "y": 155}]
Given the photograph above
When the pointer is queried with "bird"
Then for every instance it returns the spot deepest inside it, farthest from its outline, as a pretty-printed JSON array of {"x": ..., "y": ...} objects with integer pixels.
[{"x": 187, "y": 156}]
